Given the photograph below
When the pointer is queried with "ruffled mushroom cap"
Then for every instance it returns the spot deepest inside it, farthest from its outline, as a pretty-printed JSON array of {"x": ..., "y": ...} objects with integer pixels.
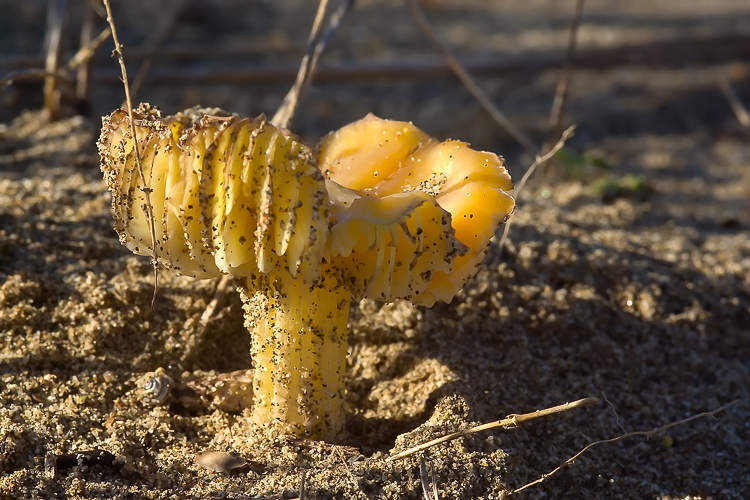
[
  {"x": 229, "y": 195},
  {"x": 411, "y": 216},
  {"x": 390, "y": 213}
]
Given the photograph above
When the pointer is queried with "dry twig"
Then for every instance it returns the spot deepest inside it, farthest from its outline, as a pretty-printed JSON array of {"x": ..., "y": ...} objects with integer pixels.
[
  {"x": 540, "y": 160},
  {"x": 85, "y": 53},
  {"x": 466, "y": 79},
  {"x": 612, "y": 407},
  {"x": 629, "y": 434},
  {"x": 146, "y": 191},
  {"x": 513, "y": 420}
]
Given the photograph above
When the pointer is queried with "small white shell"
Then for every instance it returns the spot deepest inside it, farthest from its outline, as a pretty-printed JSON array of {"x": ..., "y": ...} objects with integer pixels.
[{"x": 158, "y": 386}]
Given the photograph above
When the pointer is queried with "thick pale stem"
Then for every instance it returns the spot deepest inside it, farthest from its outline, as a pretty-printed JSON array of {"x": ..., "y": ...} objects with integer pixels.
[{"x": 299, "y": 353}]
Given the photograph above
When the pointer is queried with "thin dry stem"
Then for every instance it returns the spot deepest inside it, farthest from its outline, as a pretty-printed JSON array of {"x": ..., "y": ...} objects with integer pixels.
[
  {"x": 557, "y": 112},
  {"x": 513, "y": 420},
  {"x": 146, "y": 191},
  {"x": 629, "y": 434},
  {"x": 284, "y": 114},
  {"x": 316, "y": 43},
  {"x": 739, "y": 110},
  {"x": 617, "y": 416},
  {"x": 540, "y": 160},
  {"x": 466, "y": 79}
]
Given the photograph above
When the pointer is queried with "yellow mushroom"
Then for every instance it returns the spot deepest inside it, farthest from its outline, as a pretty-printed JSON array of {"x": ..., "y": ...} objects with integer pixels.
[{"x": 383, "y": 211}]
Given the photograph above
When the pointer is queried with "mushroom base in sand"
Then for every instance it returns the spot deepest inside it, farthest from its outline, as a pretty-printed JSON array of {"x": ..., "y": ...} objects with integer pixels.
[{"x": 299, "y": 352}]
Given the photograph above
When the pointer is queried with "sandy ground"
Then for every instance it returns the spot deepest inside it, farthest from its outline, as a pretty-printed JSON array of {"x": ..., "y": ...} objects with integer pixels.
[{"x": 638, "y": 296}]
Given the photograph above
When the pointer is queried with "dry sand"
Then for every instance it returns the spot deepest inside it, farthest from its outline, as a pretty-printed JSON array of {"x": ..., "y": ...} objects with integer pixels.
[{"x": 644, "y": 298}]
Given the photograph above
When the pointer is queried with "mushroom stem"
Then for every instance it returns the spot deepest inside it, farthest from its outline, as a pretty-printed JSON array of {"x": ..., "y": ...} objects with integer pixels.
[{"x": 299, "y": 353}]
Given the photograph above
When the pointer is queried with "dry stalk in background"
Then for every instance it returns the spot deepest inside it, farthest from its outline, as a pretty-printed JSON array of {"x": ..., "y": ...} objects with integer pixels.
[
  {"x": 158, "y": 36},
  {"x": 627, "y": 435},
  {"x": 83, "y": 55},
  {"x": 557, "y": 113},
  {"x": 146, "y": 191},
  {"x": 739, "y": 110},
  {"x": 674, "y": 53},
  {"x": 316, "y": 44},
  {"x": 511, "y": 421},
  {"x": 55, "y": 18},
  {"x": 468, "y": 82},
  {"x": 284, "y": 114},
  {"x": 84, "y": 70}
]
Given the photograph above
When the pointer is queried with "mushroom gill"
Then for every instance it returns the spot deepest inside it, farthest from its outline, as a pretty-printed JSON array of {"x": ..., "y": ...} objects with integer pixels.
[{"x": 390, "y": 213}]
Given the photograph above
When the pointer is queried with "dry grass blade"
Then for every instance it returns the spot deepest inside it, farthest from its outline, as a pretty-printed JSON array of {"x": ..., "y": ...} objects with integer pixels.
[
  {"x": 146, "y": 191},
  {"x": 629, "y": 434},
  {"x": 316, "y": 43},
  {"x": 540, "y": 160},
  {"x": 429, "y": 485},
  {"x": 55, "y": 17},
  {"x": 513, "y": 420},
  {"x": 561, "y": 91},
  {"x": 739, "y": 110},
  {"x": 466, "y": 79}
]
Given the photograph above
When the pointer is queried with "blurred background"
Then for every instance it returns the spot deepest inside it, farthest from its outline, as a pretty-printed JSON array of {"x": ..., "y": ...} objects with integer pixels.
[{"x": 643, "y": 67}]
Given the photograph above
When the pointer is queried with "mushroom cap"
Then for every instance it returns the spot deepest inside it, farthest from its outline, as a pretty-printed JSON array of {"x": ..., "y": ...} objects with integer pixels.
[
  {"x": 398, "y": 213},
  {"x": 229, "y": 195},
  {"x": 411, "y": 217}
]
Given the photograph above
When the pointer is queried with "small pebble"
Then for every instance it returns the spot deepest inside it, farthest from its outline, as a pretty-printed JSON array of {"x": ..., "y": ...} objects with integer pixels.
[{"x": 219, "y": 461}]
